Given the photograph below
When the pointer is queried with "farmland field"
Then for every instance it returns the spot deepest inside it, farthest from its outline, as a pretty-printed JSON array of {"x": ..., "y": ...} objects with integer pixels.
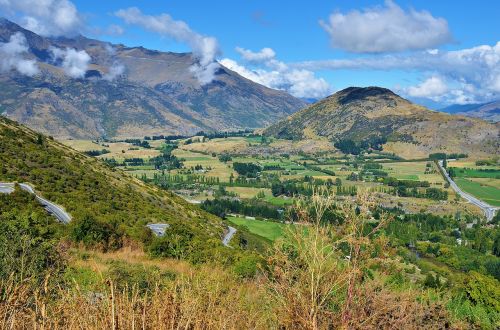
[
  {"x": 267, "y": 229},
  {"x": 488, "y": 194}
]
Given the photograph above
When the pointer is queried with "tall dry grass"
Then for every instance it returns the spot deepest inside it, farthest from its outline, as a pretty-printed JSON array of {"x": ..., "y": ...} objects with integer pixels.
[
  {"x": 208, "y": 299},
  {"x": 315, "y": 278}
]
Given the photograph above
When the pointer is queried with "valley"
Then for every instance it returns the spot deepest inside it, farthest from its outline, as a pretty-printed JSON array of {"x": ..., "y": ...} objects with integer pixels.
[{"x": 191, "y": 166}]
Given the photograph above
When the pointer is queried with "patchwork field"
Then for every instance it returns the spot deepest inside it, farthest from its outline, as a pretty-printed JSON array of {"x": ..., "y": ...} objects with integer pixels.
[
  {"x": 414, "y": 171},
  {"x": 212, "y": 165},
  {"x": 276, "y": 163},
  {"x": 117, "y": 150}
]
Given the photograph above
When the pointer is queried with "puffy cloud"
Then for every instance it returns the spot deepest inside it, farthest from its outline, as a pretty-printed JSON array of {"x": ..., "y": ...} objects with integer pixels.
[
  {"x": 205, "y": 49},
  {"x": 74, "y": 62},
  {"x": 11, "y": 56},
  {"x": 386, "y": 29},
  {"x": 473, "y": 72},
  {"x": 45, "y": 17},
  {"x": 276, "y": 74},
  {"x": 433, "y": 88}
]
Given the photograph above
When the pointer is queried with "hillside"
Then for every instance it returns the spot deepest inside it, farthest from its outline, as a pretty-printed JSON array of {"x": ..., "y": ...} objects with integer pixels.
[
  {"x": 488, "y": 111},
  {"x": 373, "y": 115},
  {"x": 156, "y": 94},
  {"x": 85, "y": 187}
]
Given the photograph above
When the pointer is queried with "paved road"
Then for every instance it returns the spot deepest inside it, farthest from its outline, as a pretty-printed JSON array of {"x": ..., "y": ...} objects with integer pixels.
[
  {"x": 489, "y": 211},
  {"x": 229, "y": 235},
  {"x": 158, "y": 228},
  {"x": 61, "y": 215},
  {"x": 52, "y": 208}
]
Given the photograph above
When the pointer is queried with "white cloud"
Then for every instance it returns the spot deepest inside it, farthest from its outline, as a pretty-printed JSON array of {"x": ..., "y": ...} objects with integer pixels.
[
  {"x": 45, "y": 17},
  {"x": 74, "y": 62},
  {"x": 433, "y": 88},
  {"x": 265, "y": 54},
  {"x": 278, "y": 75},
  {"x": 386, "y": 29},
  {"x": 114, "y": 71},
  {"x": 205, "y": 49},
  {"x": 11, "y": 56},
  {"x": 473, "y": 72}
]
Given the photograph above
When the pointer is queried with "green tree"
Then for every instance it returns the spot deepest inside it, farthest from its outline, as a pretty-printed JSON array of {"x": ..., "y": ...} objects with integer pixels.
[{"x": 496, "y": 245}]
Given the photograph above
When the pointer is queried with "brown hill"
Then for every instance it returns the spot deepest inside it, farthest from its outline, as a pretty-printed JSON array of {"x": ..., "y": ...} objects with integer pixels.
[
  {"x": 364, "y": 115},
  {"x": 157, "y": 94}
]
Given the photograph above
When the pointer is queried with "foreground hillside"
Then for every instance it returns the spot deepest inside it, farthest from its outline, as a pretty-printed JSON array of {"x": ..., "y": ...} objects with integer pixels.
[
  {"x": 92, "y": 192},
  {"x": 377, "y": 117},
  {"x": 156, "y": 93}
]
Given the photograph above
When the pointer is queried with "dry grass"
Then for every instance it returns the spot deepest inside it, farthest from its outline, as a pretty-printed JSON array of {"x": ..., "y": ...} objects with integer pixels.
[
  {"x": 229, "y": 145},
  {"x": 308, "y": 284},
  {"x": 248, "y": 192},
  {"x": 116, "y": 149}
]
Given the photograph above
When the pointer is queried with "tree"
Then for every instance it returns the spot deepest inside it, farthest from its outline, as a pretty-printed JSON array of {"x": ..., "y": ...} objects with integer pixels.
[
  {"x": 496, "y": 245},
  {"x": 39, "y": 139}
]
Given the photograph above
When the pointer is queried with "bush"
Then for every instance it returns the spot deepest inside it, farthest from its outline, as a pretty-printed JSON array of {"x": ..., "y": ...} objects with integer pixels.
[
  {"x": 247, "y": 266},
  {"x": 483, "y": 290},
  {"x": 95, "y": 233}
]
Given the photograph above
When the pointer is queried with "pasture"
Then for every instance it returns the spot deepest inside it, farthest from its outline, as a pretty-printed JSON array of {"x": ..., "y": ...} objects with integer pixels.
[{"x": 267, "y": 229}]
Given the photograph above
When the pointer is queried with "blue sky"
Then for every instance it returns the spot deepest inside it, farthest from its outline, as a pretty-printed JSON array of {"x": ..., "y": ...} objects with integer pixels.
[{"x": 425, "y": 50}]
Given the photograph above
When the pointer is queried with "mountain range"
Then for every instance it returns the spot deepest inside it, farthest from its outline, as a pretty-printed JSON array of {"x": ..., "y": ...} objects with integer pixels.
[
  {"x": 488, "y": 111},
  {"x": 128, "y": 92},
  {"x": 375, "y": 115}
]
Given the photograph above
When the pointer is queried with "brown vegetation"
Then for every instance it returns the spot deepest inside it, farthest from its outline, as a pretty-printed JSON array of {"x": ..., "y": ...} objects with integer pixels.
[{"x": 317, "y": 277}]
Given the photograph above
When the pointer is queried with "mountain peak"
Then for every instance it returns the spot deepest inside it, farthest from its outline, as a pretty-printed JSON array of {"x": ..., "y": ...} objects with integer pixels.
[
  {"x": 367, "y": 114},
  {"x": 351, "y": 94},
  {"x": 157, "y": 94}
]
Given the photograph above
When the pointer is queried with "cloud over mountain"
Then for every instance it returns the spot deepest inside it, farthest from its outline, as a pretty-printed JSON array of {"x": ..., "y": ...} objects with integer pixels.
[
  {"x": 432, "y": 88},
  {"x": 269, "y": 71},
  {"x": 74, "y": 62},
  {"x": 474, "y": 72},
  {"x": 204, "y": 48},
  {"x": 47, "y": 17},
  {"x": 11, "y": 56}
]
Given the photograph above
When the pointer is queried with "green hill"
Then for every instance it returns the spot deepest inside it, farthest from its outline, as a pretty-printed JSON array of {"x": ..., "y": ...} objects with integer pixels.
[{"x": 88, "y": 189}]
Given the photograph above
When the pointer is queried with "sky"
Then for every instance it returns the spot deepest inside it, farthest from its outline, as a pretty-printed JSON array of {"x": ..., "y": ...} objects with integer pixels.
[{"x": 434, "y": 52}]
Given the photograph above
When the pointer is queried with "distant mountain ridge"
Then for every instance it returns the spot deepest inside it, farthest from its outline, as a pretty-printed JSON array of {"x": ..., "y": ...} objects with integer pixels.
[
  {"x": 157, "y": 93},
  {"x": 488, "y": 111},
  {"x": 374, "y": 113}
]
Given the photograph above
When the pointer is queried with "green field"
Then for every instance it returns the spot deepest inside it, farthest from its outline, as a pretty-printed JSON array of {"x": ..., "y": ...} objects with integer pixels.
[
  {"x": 278, "y": 201},
  {"x": 267, "y": 229},
  {"x": 490, "y": 195},
  {"x": 475, "y": 173}
]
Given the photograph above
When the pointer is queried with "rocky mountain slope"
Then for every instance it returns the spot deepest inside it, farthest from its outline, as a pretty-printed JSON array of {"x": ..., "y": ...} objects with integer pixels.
[
  {"x": 488, "y": 111},
  {"x": 373, "y": 113},
  {"x": 156, "y": 94}
]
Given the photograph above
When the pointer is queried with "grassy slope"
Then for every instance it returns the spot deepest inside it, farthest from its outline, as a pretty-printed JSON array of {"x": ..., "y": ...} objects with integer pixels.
[
  {"x": 267, "y": 229},
  {"x": 86, "y": 186}
]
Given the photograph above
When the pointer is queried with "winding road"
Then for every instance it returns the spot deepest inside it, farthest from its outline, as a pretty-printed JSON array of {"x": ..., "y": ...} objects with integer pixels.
[
  {"x": 64, "y": 217},
  {"x": 54, "y": 209},
  {"x": 489, "y": 211},
  {"x": 227, "y": 238}
]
